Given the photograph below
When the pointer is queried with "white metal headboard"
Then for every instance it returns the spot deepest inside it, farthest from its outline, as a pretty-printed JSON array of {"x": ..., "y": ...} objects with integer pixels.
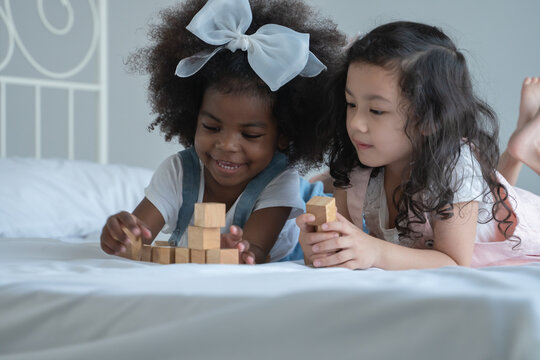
[{"x": 45, "y": 78}]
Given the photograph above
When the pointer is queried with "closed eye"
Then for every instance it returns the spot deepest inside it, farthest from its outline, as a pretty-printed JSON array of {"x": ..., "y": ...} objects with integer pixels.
[
  {"x": 376, "y": 112},
  {"x": 251, "y": 136},
  {"x": 211, "y": 128},
  {"x": 351, "y": 105}
]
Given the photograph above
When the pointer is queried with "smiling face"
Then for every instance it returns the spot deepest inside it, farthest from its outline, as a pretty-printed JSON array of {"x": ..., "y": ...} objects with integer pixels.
[
  {"x": 236, "y": 138},
  {"x": 375, "y": 120}
]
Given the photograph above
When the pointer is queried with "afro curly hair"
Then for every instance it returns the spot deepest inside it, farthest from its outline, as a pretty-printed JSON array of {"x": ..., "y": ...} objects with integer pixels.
[{"x": 297, "y": 105}]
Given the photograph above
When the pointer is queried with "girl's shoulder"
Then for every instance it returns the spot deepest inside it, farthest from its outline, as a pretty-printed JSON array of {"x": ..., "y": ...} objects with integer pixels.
[
  {"x": 169, "y": 173},
  {"x": 287, "y": 178},
  {"x": 172, "y": 164}
]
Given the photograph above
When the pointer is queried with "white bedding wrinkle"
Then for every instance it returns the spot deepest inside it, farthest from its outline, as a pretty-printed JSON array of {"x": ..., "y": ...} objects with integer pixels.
[{"x": 67, "y": 299}]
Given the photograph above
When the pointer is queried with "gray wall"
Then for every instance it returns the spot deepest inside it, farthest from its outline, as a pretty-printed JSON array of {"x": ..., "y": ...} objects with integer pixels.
[{"x": 500, "y": 39}]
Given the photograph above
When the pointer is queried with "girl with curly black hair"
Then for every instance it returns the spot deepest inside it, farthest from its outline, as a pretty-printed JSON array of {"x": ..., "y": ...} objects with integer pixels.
[
  {"x": 415, "y": 156},
  {"x": 240, "y": 84}
]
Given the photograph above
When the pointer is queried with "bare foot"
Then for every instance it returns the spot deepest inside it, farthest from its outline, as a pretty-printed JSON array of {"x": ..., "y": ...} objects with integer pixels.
[
  {"x": 530, "y": 100},
  {"x": 524, "y": 144}
]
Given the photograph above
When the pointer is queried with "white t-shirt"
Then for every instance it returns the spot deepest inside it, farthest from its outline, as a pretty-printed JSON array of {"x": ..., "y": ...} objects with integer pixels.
[
  {"x": 466, "y": 178},
  {"x": 165, "y": 193}
]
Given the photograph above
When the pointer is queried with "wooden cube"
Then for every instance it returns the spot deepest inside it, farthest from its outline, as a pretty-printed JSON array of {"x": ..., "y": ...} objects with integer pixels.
[
  {"x": 163, "y": 254},
  {"x": 181, "y": 255},
  {"x": 161, "y": 243},
  {"x": 133, "y": 248},
  {"x": 204, "y": 238},
  {"x": 197, "y": 256},
  {"x": 222, "y": 256},
  {"x": 324, "y": 209},
  {"x": 146, "y": 253},
  {"x": 209, "y": 215}
]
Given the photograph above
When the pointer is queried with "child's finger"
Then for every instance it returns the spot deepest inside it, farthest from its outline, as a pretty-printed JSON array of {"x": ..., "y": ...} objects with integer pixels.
[
  {"x": 118, "y": 249},
  {"x": 303, "y": 222},
  {"x": 145, "y": 229},
  {"x": 105, "y": 242},
  {"x": 314, "y": 257},
  {"x": 242, "y": 246},
  {"x": 338, "y": 258},
  {"x": 236, "y": 231},
  {"x": 115, "y": 224},
  {"x": 248, "y": 258},
  {"x": 107, "y": 249},
  {"x": 331, "y": 245},
  {"x": 229, "y": 240},
  {"x": 317, "y": 237},
  {"x": 109, "y": 243},
  {"x": 339, "y": 226},
  {"x": 115, "y": 232},
  {"x": 129, "y": 221}
]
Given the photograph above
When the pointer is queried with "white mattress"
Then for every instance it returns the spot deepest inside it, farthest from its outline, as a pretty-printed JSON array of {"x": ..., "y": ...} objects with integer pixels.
[{"x": 62, "y": 299}]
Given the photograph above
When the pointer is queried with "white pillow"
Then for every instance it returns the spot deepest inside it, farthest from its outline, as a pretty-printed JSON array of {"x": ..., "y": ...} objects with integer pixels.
[{"x": 61, "y": 198}]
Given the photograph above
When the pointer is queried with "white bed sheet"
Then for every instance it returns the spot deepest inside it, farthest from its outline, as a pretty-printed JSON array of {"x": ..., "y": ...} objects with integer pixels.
[{"x": 66, "y": 299}]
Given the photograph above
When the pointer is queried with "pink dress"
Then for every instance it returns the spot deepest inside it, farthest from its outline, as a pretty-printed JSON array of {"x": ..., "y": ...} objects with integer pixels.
[{"x": 366, "y": 198}]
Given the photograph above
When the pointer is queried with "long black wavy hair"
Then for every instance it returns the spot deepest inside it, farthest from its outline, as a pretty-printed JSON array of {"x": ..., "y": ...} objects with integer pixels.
[
  {"x": 297, "y": 105},
  {"x": 442, "y": 111}
]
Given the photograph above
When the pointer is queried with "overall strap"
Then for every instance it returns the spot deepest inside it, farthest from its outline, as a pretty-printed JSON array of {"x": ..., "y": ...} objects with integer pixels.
[
  {"x": 251, "y": 193},
  {"x": 191, "y": 178}
]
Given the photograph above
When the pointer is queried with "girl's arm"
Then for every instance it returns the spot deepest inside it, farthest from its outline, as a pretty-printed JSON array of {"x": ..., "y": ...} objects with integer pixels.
[
  {"x": 145, "y": 221},
  {"x": 262, "y": 230},
  {"x": 152, "y": 218},
  {"x": 453, "y": 245}
]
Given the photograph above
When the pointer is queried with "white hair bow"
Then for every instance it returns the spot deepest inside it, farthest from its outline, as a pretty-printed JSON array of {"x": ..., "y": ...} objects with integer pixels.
[{"x": 276, "y": 53}]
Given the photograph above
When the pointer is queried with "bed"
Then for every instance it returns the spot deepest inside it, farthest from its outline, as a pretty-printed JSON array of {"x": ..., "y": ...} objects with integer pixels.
[{"x": 61, "y": 297}]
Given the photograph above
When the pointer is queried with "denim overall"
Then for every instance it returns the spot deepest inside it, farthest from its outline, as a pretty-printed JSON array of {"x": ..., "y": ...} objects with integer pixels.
[{"x": 244, "y": 207}]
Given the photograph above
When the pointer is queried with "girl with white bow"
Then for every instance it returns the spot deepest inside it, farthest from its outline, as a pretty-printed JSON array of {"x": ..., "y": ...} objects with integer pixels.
[{"x": 241, "y": 85}]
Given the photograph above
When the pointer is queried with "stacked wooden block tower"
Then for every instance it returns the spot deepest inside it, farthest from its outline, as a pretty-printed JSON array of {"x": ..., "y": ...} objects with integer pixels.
[
  {"x": 324, "y": 209},
  {"x": 204, "y": 241}
]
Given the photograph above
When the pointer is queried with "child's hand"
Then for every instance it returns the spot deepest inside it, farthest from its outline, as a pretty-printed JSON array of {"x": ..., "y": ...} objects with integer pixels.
[
  {"x": 114, "y": 240},
  {"x": 308, "y": 237},
  {"x": 234, "y": 240},
  {"x": 354, "y": 249}
]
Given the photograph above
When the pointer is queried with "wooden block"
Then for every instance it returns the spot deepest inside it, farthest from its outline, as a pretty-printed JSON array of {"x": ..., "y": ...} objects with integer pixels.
[
  {"x": 146, "y": 253},
  {"x": 133, "y": 249},
  {"x": 163, "y": 254},
  {"x": 324, "y": 209},
  {"x": 161, "y": 243},
  {"x": 181, "y": 255},
  {"x": 209, "y": 215},
  {"x": 197, "y": 256},
  {"x": 203, "y": 238},
  {"x": 222, "y": 256}
]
